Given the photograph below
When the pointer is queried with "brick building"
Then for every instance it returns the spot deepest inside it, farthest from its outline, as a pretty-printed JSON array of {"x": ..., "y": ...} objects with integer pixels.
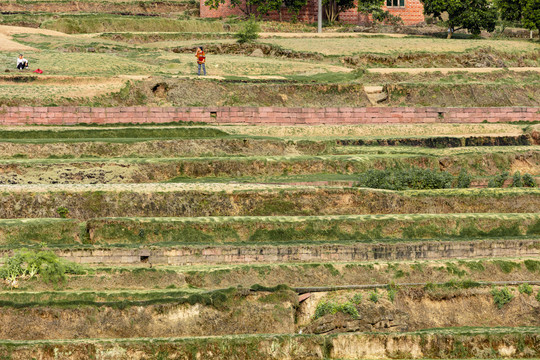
[{"x": 410, "y": 11}]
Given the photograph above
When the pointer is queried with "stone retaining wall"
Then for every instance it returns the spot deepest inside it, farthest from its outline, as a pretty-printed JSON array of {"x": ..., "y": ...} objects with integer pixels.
[
  {"x": 263, "y": 115},
  {"x": 433, "y": 250}
]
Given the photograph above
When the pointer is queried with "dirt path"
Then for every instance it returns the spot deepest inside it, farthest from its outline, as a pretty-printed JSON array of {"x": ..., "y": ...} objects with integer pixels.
[
  {"x": 266, "y": 35},
  {"x": 414, "y": 71},
  {"x": 149, "y": 187}
]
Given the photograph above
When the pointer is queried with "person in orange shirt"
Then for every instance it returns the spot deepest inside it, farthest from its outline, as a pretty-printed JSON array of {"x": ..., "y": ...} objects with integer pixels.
[{"x": 201, "y": 60}]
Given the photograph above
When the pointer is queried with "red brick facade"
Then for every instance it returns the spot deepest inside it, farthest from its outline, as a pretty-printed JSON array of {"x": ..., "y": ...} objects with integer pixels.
[
  {"x": 412, "y": 13},
  {"x": 264, "y": 115}
]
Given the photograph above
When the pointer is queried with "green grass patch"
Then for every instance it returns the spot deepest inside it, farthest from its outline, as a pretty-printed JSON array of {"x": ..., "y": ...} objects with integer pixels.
[{"x": 284, "y": 229}]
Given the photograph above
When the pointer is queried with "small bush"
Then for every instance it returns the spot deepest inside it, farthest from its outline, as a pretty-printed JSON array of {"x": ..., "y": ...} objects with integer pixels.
[
  {"x": 529, "y": 180},
  {"x": 507, "y": 266},
  {"x": 26, "y": 264},
  {"x": 498, "y": 181},
  {"x": 532, "y": 265},
  {"x": 324, "y": 308},
  {"x": 517, "y": 180},
  {"x": 392, "y": 292},
  {"x": 464, "y": 179},
  {"x": 62, "y": 212},
  {"x": 249, "y": 31},
  {"x": 374, "y": 296},
  {"x": 349, "y": 309},
  {"x": 538, "y": 296},
  {"x": 402, "y": 179},
  {"x": 502, "y": 296},
  {"x": 329, "y": 307},
  {"x": 525, "y": 289},
  {"x": 357, "y": 299}
]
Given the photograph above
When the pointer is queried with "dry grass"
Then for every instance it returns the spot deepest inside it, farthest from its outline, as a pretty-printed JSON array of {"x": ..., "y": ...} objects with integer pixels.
[
  {"x": 185, "y": 64},
  {"x": 401, "y": 130},
  {"x": 386, "y": 45}
]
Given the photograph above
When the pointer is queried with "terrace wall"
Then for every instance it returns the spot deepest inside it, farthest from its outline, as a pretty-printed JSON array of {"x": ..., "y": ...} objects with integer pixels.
[
  {"x": 263, "y": 115},
  {"x": 302, "y": 253}
]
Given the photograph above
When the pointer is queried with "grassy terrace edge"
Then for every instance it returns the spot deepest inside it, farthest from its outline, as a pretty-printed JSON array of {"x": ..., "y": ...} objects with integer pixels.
[
  {"x": 390, "y": 228},
  {"x": 441, "y": 343}
]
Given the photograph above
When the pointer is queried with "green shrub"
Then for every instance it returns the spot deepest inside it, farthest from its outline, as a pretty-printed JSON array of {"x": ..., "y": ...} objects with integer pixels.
[
  {"x": 538, "y": 296},
  {"x": 249, "y": 31},
  {"x": 517, "y": 180},
  {"x": 475, "y": 265},
  {"x": 525, "y": 289},
  {"x": 464, "y": 179},
  {"x": 455, "y": 270},
  {"x": 498, "y": 181},
  {"x": 532, "y": 265},
  {"x": 392, "y": 292},
  {"x": 502, "y": 296},
  {"x": 324, "y": 308},
  {"x": 529, "y": 180},
  {"x": 402, "y": 179},
  {"x": 349, "y": 309},
  {"x": 329, "y": 307},
  {"x": 374, "y": 296},
  {"x": 27, "y": 264},
  {"x": 507, "y": 266},
  {"x": 357, "y": 299},
  {"x": 63, "y": 212}
]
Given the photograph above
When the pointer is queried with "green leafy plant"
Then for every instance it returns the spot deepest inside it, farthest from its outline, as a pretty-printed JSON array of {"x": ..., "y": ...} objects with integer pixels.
[
  {"x": 27, "y": 264},
  {"x": 329, "y": 307},
  {"x": 538, "y": 296},
  {"x": 526, "y": 11},
  {"x": 502, "y": 296},
  {"x": 529, "y": 181},
  {"x": 402, "y": 179},
  {"x": 374, "y": 296},
  {"x": 525, "y": 289},
  {"x": 62, "y": 212},
  {"x": 464, "y": 179},
  {"x": 392, "y": 291},
  {"x": 517, "y": 180},
  {"x": 249, "y": 31},
  {"x": 324, "y": 308},
  {"x": 498, "y": 181},
  {"x": 473, "y": 15},
  {"x": 357, "y": 299}
]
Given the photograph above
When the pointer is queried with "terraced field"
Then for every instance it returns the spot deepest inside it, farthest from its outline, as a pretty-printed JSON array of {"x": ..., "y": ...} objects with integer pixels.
[
  {"x": 400, "y": 237},
  {"x": 184, "y": 242}
]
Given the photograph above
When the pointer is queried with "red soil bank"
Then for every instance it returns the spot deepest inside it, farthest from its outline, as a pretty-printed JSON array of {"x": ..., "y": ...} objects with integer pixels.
[
  {"x": 264, "y": 115},
  {"x": 412, "y": 13}
]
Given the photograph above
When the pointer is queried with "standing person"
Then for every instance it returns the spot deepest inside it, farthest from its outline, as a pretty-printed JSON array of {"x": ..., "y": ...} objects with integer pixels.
[
  {"x": 201, "y": 60},
  {"x": 22, "y": 63}
]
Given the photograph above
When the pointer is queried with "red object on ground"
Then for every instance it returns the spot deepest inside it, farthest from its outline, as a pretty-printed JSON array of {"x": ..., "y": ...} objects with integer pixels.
[{"x": 38, "y": 71}]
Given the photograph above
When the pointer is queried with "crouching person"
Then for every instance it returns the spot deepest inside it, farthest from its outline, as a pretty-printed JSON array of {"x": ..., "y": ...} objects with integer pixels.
[{"x": 22, "y": 63}]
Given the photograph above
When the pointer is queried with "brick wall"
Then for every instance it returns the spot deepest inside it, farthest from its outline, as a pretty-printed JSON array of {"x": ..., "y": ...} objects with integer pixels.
[
  {"x": 263, "y": 115},
  {"x": 307, "y": 14},
  {"x": 412, "y": 14}
]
